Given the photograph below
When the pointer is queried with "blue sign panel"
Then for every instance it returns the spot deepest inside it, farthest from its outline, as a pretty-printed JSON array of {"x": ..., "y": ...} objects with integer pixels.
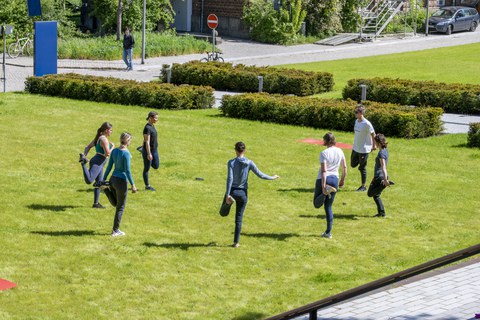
[
  {"x": 45, "y": 48},
  {"x": 34, "y": 8}
]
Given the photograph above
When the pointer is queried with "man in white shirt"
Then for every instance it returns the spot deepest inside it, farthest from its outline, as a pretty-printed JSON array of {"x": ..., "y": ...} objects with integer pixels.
[{"x": 362, "y": 144}]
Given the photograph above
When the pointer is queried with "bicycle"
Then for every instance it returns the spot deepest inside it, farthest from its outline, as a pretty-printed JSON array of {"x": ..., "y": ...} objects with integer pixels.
[
  {"x": 21, "y": 46},
  {"x": 212, "y": 56}
]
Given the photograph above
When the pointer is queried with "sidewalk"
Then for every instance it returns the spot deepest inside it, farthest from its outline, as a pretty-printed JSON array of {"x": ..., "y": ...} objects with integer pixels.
[
  {"x": 252, "y": 53},
  {"x": 450, "y": 293}
]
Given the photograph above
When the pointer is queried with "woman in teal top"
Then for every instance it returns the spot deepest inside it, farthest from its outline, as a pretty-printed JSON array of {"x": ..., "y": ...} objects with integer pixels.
[
  {"x": 103, "y": 149},
  {"x": 118, "y": 189}
]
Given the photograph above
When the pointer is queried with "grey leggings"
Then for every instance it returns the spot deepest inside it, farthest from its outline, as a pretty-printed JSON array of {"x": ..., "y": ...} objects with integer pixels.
[
  {"x": 119, "y": 189},
  {"x": 95, "y": 173}
]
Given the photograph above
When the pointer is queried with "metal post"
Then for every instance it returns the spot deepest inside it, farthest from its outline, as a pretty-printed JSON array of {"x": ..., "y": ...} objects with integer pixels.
[
  {"x": 4, "y": 26},
  {"x": 260, "y": 83},
  {"x": 213, "y": 41},
  {"x": 313, "y": 315},
  {"x": 169, "y": 74},
  {"x": 143, "y": 29},
  {"x": 363, "y": 96},
  {"x": 426, "y": 19}
]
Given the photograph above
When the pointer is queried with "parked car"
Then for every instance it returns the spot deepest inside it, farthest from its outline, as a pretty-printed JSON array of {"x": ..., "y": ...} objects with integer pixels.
[{"x": 450, "y": 19}]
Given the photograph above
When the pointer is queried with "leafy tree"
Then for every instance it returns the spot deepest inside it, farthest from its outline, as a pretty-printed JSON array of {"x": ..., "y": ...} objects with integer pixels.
[{"x": 323, "y": 17}]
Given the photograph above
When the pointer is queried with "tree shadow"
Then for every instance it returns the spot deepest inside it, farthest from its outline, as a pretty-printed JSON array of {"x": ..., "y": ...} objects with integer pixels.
[
  {"x": 66, "y": 233},
  {"x": 335, "y": 216},
  {"x": 310, "y": 190},
  {"x": 251, "y": 316},
  {"x": 461, "y": 145},
  {"x": 181, "y": 246},
  {"x": 55, "y": 208},
  {"x": 274, "y": 236}
]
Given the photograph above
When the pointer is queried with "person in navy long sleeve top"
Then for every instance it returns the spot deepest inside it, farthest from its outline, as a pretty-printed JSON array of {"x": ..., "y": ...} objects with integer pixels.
[{"x": 237, "y": 185}]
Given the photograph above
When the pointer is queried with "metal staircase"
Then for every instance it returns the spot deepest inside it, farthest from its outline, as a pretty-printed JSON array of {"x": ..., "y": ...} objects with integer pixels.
[{"x": 375, "y": 16}]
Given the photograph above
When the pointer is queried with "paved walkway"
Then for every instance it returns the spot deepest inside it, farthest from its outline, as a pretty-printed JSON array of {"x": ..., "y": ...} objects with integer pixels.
[{"x": 451, "y": 293}]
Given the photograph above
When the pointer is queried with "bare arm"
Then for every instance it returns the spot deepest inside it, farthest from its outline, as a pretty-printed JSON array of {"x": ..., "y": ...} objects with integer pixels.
[
  {"x": 146, "y": 139},
  {"x": 88, "y": 147},
  {"x": 374, "y": 145},
  {"x": 383, "y": 165},
  {"x": 323, "y": 169},
  {"x": 105, "y": 145},
  {"x": 344, "y": 173}
]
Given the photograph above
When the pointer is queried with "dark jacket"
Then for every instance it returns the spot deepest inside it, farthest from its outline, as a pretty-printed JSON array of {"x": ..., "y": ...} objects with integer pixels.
[{"x": 128, "y": 41}]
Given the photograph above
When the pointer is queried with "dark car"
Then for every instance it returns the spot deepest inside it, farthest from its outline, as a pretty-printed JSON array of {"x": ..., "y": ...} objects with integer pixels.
[{"x": 450, "y": 19}]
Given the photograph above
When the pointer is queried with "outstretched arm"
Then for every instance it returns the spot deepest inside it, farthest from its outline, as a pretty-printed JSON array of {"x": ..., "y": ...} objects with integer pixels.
[{"x": 260, "y": 174}]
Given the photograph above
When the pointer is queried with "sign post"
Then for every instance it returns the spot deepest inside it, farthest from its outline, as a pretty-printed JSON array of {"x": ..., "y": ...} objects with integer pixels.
[
  {"x": 212, "y": 22},
  {"x": 5, "y": 29}
]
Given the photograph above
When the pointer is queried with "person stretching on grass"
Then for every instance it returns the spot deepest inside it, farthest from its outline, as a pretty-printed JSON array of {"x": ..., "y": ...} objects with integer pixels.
[
  {"x": 118, "y": 186},
  {"x": 95, "y": 172},
  {"x": 149, "y": 148},
  {"x": 327, "y": 179},
  {"x": 237, "y": 185},
  {"x": 362, "y": 144},
  {"x": 380, "y": 178}
]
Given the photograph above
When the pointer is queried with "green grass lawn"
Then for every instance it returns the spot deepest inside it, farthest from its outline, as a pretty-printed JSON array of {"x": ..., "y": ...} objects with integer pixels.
[
  {"x": 176, "y": 261},
  {"x": 450, "y": 64}
]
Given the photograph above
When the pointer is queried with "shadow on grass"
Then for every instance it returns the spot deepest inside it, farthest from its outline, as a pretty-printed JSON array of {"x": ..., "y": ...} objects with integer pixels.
[
  {"x": 49, "y": 207},
  {"x": 86, "y": 190},
  {"x": 274, "y": 236},
  {"x": 181, "y": 246},
  {"x": 310, "y": 190},
  {"x": 66, "y": 233},
  {"x": 251, "y": 316},
  {"x": 335, "y": 216},
  {"x": 461, "y": 145}
]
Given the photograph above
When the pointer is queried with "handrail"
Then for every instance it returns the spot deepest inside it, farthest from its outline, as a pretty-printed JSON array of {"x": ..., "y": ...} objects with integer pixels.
[{"x": 312, "y": 308}]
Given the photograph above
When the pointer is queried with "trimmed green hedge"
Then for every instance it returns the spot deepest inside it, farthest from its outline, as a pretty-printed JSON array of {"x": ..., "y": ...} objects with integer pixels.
[
  {"x": 391, "y": 120},
  {"x": 129, "y": 92},
  {"x": 241, "y": 78},
  {"x": 473, "y": 139},
  {"x": 455, "y": 98}
]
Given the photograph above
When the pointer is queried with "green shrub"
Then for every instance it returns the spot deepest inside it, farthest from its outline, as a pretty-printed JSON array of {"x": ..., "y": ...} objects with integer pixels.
[
  {"x": 128, "y": 92},
  {"x": 455, "y": 98},
  {"x": 389, "y": 119},
  {"x": 241, "y": 78},
  {"x": 473, "y": 139}
]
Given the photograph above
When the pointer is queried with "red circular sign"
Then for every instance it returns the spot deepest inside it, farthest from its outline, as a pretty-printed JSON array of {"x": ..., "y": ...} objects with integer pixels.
[{"x": 212, "y": 21}]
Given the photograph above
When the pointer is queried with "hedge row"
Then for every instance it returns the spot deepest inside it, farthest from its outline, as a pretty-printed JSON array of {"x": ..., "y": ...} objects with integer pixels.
[
  {"x": 389, "y": 119},
  {"x": 473, "y": 138},
  {"x": 100, "y": 89},
  {"x": 241, "y": 78},
  {"x": 455, "y": 98}
]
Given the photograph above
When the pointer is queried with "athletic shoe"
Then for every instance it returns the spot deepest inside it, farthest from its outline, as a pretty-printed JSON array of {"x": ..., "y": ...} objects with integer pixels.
[
  {"x": 101, "y": 184},
  {"x": 150, "y": 188},
  {"x": 98, "y": 206},
  {"x": 236, "y": 245},
  {"x": 140, "y": 149},
  {"x": 117, "y": 233},
  {"x": 362, "y": 188},
  {"x": 391, "y": 182},
  {"x": 380, "y": 215},
  {"x": 329, "y": 190},
  {"x": 83, "y": 159},
  {"x": 326, "y": 235}
]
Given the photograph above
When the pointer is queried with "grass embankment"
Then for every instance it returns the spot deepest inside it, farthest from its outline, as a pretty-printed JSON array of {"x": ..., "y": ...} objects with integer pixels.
[
  {"x": 176, "y": 261},
  {"x": 450, "y": 64},
  {"x": 108, "y": 48}
]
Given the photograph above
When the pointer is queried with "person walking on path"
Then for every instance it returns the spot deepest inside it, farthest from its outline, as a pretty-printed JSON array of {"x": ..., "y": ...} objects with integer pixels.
[
  {"x": 103, "y": 149},
  {"x": 331, "y": 159},
  {"x": 362, "y": 144},
  {"x": 149, "y": 148},
  {"x": 237, "y": 185},
  {"x": 380, "y": 179},
  {"x": 118, "y": 185},
  {"x": 128, "y": 44}
]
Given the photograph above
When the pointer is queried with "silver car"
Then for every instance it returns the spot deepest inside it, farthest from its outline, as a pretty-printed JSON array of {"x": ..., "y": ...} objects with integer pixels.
[{"x": 450, "y": 19}]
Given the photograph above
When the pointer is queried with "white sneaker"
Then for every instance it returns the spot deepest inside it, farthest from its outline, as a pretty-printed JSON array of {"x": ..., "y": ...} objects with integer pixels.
[
  {"x": 330, "y": 189},
  {"x": 117, "y": 233},
  {"x": 230, "y": 200},
  {"x": 326, "y": 235}
]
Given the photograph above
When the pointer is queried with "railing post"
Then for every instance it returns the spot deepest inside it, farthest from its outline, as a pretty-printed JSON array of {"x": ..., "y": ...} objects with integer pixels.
[
  {"x": 363, "y": 96},
  {"x": 313, "y": 315},
  {"x": 260, "y": 83}
]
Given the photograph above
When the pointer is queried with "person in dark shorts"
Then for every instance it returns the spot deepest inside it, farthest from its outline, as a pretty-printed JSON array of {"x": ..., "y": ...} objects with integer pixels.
[
  {"x": 237, "y": 185},
  {"x": 327, "y": 183},
  {"x": 103, "y": 149},
  {"x": 118, "y": 185},
  {"x": 149, "y": 148},
  {"x": 362, "y": 145},
  {"x": 380, "y": 178}
]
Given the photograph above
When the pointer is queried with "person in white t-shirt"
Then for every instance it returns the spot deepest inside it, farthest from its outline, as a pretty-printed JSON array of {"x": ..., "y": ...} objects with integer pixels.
[
  {"x": 331, "y": 159},
  {"x": 362, "y": 144}
]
